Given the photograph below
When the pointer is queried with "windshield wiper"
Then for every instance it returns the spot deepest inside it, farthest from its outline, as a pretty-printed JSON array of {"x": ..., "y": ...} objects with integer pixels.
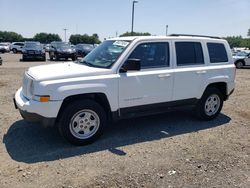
[{"x": 86, "y": 63}]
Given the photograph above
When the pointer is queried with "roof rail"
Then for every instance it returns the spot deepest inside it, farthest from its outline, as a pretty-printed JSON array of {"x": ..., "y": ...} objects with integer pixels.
[{"x": 188, "y": 35}]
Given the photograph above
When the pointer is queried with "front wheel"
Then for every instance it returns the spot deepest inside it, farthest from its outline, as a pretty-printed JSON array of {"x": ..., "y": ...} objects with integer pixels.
[
  {"x": 73, "y": 58},
  {"x": 82, "y": 122},
  {"x": 210, "y": 104}
]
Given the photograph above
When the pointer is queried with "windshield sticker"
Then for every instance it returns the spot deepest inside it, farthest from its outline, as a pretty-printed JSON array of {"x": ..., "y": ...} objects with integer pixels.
[{"x": 121, "y": 43}]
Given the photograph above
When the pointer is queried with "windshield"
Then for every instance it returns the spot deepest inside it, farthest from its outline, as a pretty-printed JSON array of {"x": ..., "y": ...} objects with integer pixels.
[
  {"x": 32, "y": 45},
  {"x": 63, "y": 45},
  {"x": 87, "y": 46},
  {"x": 105, "y": 55},
  {"x": 242, "y": 53}
]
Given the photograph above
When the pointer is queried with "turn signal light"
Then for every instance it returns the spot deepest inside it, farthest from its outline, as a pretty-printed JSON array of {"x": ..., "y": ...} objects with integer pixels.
[{"x": 44, "y": 98}]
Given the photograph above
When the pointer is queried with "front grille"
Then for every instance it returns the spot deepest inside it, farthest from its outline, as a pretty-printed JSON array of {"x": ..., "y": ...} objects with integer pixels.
[{"x": 32, "y": 52}]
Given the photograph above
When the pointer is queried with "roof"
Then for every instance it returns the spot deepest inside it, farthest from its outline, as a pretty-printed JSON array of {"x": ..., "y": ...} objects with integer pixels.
[{"x": 174, "y": 36}]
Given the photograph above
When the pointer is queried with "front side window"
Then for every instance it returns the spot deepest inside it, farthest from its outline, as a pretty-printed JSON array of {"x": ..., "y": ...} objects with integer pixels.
[
  {"x": 189, "y": 53},
  {"x": 152, "y": 55},
  {"x": 217, "y": 52}
]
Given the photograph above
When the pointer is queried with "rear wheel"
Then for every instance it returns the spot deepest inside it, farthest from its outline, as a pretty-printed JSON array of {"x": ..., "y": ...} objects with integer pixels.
[
  {"x": 82, "y": 122},
  {"x": 239, "y": 64},
  {"x": 210, "y": 104},
  {"x": 14, "y": 51}
]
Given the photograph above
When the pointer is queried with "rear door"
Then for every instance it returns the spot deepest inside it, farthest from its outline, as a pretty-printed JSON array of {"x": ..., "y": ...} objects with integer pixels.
[{"x": 190, "y": 70}]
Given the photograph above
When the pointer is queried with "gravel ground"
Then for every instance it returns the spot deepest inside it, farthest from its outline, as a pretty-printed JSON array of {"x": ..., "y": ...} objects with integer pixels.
[{"x": 168, "y": 150}]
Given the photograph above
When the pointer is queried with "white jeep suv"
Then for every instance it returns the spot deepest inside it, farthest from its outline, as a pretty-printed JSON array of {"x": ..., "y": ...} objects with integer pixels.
[{"x": 128, "y": 77}]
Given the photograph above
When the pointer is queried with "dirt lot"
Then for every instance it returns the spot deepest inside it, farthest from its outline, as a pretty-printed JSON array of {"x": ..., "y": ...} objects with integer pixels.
[{"x": 169, "y": 150}]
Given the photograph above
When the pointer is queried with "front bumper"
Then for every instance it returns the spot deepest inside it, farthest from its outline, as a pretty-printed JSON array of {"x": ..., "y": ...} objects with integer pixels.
[
  {"x": 33, "y": 56},
  {"x": 65, "y": 55},
  {"x": 35, "y": 111}
]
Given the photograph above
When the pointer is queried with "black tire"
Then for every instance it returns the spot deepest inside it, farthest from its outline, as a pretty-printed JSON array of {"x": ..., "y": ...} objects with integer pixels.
[
  {"x": 239, "y": 64},
  {"x": 14, "y": 51},
  {"x": 50, "y": 57},
  {"x": 202, "y": 109},
  {"x": 44, "y": 58},
  {"x": 73, "y": 58},
  {"x": 81, "y": 108},
  {"x": 56, "y": 57}
]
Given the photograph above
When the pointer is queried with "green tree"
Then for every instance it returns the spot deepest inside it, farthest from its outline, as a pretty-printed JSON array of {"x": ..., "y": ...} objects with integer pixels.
[
  {"x": 76, "y": 39},
  {"x": 135, "y": 34},
  {"x": 46, "y": 37},
  {"x": 8, "y": 36},
  {"x": 245, "y": 43},
  {"x": 234, "y": 41},
  {"x": 248, "y": 33}
]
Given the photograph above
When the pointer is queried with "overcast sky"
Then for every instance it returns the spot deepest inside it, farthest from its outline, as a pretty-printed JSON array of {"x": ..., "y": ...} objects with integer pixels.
[{"x": 108, "y": 17}]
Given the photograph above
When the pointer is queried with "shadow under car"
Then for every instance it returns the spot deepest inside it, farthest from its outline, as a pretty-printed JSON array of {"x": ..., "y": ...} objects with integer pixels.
[{"x": 31, "y": 143}]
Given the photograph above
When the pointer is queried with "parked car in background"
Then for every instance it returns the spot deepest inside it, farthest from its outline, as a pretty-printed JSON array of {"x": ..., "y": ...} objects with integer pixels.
[
  {"x": 33, "y": 50},
  {"x": 1, "y": 61},
  {"x": 242, "y": 59},
  {"x": 4, "y": 47},
  {"x": 60, "y": 50},
  {"x": 83, "y": 49},
  {"x": 16, "y": 47}
]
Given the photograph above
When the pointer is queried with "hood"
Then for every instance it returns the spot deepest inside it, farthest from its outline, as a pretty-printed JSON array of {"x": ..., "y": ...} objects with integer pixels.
[
  {"x": 239, "y": 57},
  {"x": 63, "y": 71}
]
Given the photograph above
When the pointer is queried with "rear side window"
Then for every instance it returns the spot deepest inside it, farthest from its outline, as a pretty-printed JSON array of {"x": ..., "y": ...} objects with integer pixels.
[
  {"x": 217, "y": 52},
  {"x": 189, "y": 53}
]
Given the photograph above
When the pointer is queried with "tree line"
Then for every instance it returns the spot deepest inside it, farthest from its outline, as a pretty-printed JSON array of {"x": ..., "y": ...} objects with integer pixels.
[{"x": 9, "y": 36}]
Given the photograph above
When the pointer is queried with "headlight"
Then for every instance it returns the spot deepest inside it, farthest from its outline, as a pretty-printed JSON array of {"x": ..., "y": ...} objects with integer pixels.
[{"x": 32, "y": 88}]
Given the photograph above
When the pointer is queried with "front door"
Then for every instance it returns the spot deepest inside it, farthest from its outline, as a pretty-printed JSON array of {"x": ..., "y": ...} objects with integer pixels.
[{"x": 153, "y": 83}]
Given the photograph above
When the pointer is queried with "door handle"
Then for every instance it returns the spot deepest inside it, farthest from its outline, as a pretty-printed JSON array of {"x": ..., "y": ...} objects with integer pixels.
[
  {"x": 164, "y": 75},
  {"x": 201, "y": 72}
]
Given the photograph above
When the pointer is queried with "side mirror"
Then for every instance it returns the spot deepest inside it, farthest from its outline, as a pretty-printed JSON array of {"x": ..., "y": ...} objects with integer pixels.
[{"x": 131, "y": 65}]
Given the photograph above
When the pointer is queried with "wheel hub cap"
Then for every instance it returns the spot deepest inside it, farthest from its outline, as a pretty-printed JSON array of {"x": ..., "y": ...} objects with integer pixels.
[
  {"x": 84, "y": 124},
  {"x": 212, "y": 105}
]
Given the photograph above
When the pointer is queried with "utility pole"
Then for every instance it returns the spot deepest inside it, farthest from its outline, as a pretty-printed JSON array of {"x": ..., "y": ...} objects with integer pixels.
[
  {"x": 65, "y": 34},
  {"x": 133, "y": 12},
  {"x": 166, "y": 30}
]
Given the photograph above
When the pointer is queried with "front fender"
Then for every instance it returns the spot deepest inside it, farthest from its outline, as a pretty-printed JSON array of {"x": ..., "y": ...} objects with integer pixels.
[{"x": 60, "y": 91}]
